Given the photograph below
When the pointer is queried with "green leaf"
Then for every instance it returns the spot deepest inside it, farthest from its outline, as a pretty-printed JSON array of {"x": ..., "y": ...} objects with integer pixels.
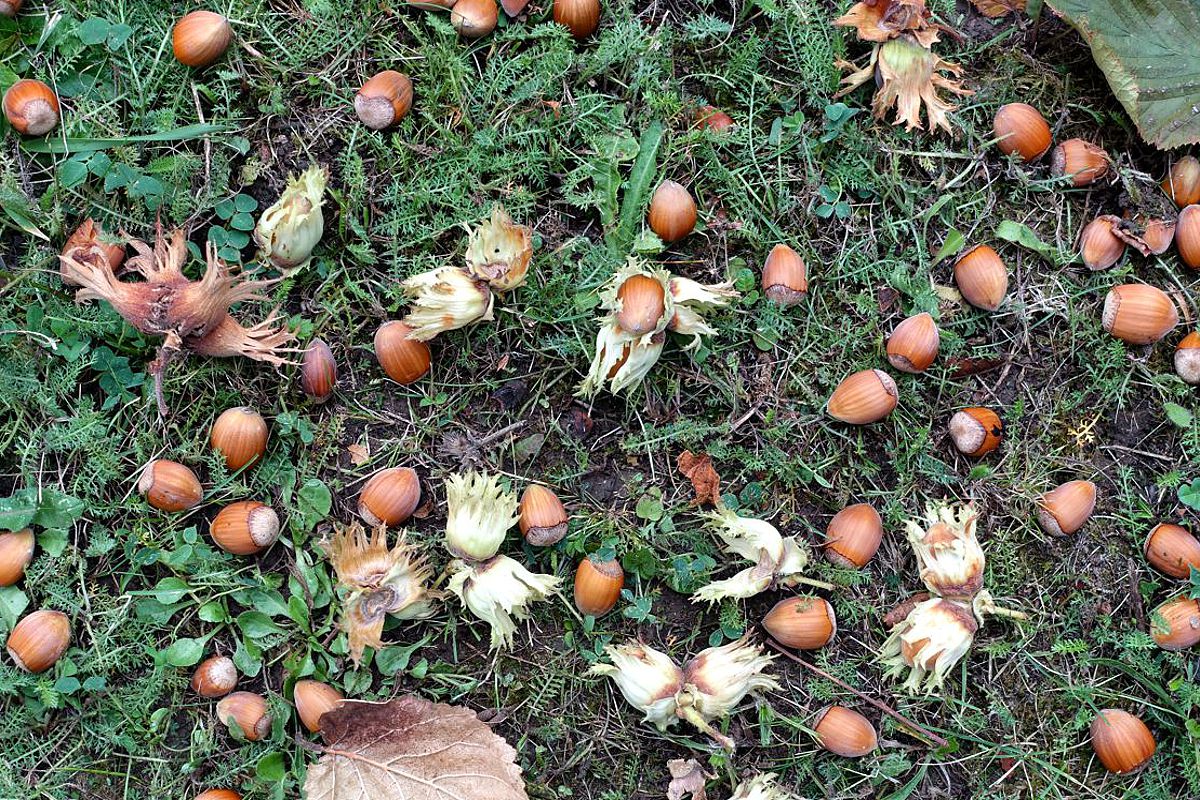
[
  {"x": 391, "y": 660},
  {"x": 638, "y": 187},
  {"x": 171, "y": 590},
  {"x": 1018, "y": 233},
  {"x": 1189, "y": 494},
  {"x": 18, "y": 510},
  {"x": 1179, "y": 416},
  {"x": 53, "y": 541},
  {"x": 94, "y": 30},
  {"x": 257, "y": 625},
  {"x": 184, "y": 652},
  {"x": 72, "y": 173},
  {"x": 13, "y": 603},
  {"x": 271, "y": 768},
  {"x": 80, "y": 145},
  {"x": 1150, "y": 52},
  {"x": 313, "y": 502},
  {"x": 954, "y": 242}
]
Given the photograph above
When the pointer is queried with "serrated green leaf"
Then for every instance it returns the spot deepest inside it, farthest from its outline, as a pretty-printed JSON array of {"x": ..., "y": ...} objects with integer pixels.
[{"x": 1178, "y": 415}]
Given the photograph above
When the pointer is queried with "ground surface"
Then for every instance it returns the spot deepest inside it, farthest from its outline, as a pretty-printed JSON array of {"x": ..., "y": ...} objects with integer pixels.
[{"x": 149, "y": 593}]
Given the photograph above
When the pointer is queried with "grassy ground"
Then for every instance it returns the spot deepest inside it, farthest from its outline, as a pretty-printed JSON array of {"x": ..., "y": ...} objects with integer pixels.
[{"x": 149, "y": 594}]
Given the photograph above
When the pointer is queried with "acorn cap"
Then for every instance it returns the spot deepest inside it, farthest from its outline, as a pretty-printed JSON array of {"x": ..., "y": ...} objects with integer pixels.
[
  {"x": 863, "y": 397},
  {"x": 845, "y": 732},
  {"x": 805, "y": 623},
  {"x": 1064, "y": 509}
]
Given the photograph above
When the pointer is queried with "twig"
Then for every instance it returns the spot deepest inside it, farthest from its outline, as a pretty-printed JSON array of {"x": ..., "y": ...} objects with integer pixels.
[{"x": 884, "y": 707}]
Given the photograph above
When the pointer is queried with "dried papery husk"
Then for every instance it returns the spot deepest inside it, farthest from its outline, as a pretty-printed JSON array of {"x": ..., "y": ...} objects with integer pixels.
[
  {"x": 87, "y": 244},
  {"x": 499, "y": 251},
  {"x": 1147, "y": 235},
  {"x": 189, "y": 315},
  {"x": 445, "y": 299},
  {"x": 882, "y": 20}
]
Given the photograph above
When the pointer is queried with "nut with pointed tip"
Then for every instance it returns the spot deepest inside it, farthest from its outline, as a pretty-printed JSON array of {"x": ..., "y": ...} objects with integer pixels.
[
  {"x": 240, "y": 435},
  {"x": 598, "y": 586},
  {"x": 1099, "y": 247},
  {"x": 714, "y": 119},
  {"x": 16, "y": 551},
  {"x": 853, "y": 536},
  {"x": 31, "y": 107},
  {"x": 248, "y": 712},
  {"x": 1158, "y": 234},
  {"x": 405, "y": 360},
  {"x": 200, "y": 38},
  {"x": 1138, "y": 313},
  {"x": 1122, "y": 742},
  {"x": 784, "y": 276},
  {"x": 474, "y": 18},
  {"x": 976, "y": 431},
  {"x": 1065, "y": 509},
  {"x": 863, "y": 397},
  {"x": 1020, "y": 128},
  {"x": 1182, "y": 183},
  {"x": 389, "y": 497},
  {"x": 1175, "y": 625},
  {"x": 1187, "y": 358},
  {"x": 218, "y": 794},
  {"x": 39, "y": 640},
  {"x": 169, "y": 486},
  {"x": 215, "y": 677},
  {"x": 318, "y": 371},
  {"x": 845, "y": 732},
  {"x": 384, "y": 99},
  {"x": 1187, "y": 236},
  {"x": 1172, "y": 550},
  {"x": 805, "y": 623},
  {"x": 642, "y": 301},
  {"x": 1084, "y": 162},
  {"x": 982, "y": 277},
  {"x": 245, "y": 527},
  {"x": 672, "y": 212},
  {"x": 914, "y": 343},
  {"x": 581, "y": 17},
  {"x": 542, "y": 517},
  {"x": 313, "y": 699}
]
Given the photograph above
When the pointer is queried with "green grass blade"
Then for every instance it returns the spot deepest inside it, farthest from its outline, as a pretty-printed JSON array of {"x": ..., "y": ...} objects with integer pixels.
[{"x": 92, "y": 145}]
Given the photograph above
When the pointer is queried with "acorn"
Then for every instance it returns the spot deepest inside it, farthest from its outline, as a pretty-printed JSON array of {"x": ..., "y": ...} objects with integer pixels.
[
  {"x": 672, "y": 212},
  {"x": 853, "y": 536},
  {"x": 1175, "y": 625},
  {"x": 169, "y": 486},
  {"x": 1122, "y": 742},
  {"x": 805, "y": 623},
  {"x": 1064, "y": 509},
  {"x": 318, "y": 371},
  {"x": 39, "y": 640},
  {"x": 864, "y": 397},
  {"x": 1172, "y": 550},
  {"x": 1187, "y": 358},
  {"x": 200, "y": 38},
  {"x": 240, "y": 435},
  {"x": 976, "y": 431},
  {"x": 1020, "y": 128},
  {"x": 1187, "y": 236},
  {"x": 1158, "y": 234},
  {"x": 714, "y": 119},
  {"x": 598, "y": 586},
  {"x": 474, "y": 18},
  {"x": 542, "y": 518},
  {"x": 389, "y": 497},
  {"x": 384, "y": 99},
  {"x": 1182, "y": 183},
  {"x": 1138, "y": 313},
  {"x": 913, "y": 345},
  {"x": 215, "y": 677},
  {"x": 581, "y": 17},
  {"x": 313, "y": 699},
  {"x": 1083, "y": 161},
  {"x": 218, "y": 794},
  {"x": 248, "y": 712},
  {"x": 845, "y": 732},
  {"x": 784, "y": 276},
  {"x": 9, "y": 8},
  {"x": 1099, "y": 247},
  {"x": 982, "y": 277},
  {"x": 403, "y": 359},
  {"x": 642, "y": 304},
  {"x": 31, "y": 107},
  {"x": 86, "y": 238},
  {"x": 245, "y": 527},
  {"x": 16, "y": 551}
]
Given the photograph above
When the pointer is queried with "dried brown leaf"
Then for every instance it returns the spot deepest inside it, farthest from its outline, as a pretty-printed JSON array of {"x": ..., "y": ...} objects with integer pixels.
[
  {"x": 998, "y": 8},
  {"x": 414, "y": 749},
  {"x": 705, "y": 481},
  {"x": 687, "y": 777}
]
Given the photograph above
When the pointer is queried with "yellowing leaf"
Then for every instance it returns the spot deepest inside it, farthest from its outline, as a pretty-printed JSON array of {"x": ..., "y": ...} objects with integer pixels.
[
  {"x": 998, "y": 8},
  {"x": 413, "y": 749}
]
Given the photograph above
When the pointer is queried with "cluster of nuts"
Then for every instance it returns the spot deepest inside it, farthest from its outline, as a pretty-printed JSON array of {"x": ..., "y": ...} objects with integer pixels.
[{"x": 40, "y": 638}]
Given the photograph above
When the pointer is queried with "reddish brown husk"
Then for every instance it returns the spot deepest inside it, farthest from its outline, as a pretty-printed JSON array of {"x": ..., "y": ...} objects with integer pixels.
[{"x": 189, "y": 315}]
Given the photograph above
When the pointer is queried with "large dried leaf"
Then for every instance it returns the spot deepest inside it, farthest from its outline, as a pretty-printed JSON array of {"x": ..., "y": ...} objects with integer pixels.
[
  {"x": 1150, "y": 52},
  {"x": 700, "y": 471},
  {"x": 413, "y": 749},
  {"x": 687, "y": 778}
]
